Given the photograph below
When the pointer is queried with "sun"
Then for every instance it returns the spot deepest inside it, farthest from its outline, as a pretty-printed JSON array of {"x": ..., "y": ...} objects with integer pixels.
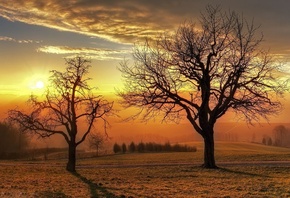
[
  {"x": 39, "y": 84},
  {"x": 36, "y": 84}
]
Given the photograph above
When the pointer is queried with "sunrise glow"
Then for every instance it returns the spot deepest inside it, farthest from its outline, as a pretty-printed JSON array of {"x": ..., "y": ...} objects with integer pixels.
[
  {"x": 35, "y": 38},
  {"x": 31, "y": 48},
  {"x": 36, "y": 83}
]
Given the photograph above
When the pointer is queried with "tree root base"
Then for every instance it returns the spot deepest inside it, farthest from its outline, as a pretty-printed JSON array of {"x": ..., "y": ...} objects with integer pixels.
[{"x": 209, "y": 166}]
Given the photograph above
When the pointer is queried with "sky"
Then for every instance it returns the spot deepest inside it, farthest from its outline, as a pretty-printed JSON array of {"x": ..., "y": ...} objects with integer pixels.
[{"x": 36, "y": 35}]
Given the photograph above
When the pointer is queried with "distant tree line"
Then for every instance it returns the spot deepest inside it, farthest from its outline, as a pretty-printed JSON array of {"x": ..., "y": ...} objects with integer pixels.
[
  {"x": 149, "y": 147},
  {"x": 227, "y": 136},
  {"x": 12, "y": 141},
  {"x": 280, "y": 137}
]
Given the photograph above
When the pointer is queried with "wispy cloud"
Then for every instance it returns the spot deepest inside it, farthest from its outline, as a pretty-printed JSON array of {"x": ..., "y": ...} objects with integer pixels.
[
  {"x": 5, "y": 38},
  {"x": 94, "y": 53},
  {"x": 115, "y": 20}
]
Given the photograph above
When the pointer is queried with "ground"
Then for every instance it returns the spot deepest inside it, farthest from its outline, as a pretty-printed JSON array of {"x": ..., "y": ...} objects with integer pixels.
[{"x": 259, "y": 172}]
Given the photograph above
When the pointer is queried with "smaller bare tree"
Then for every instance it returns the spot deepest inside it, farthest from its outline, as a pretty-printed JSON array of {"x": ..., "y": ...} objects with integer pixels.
[
  {"x": 281, "y": 136},
  {"x": 96, "y": 141},
  {"x": 68, "y": 102}
]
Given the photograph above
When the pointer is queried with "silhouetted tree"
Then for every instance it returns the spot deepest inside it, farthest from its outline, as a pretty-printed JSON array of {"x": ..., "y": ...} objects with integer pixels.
[
  {"x": 270, "y": 142},
  {"x": 124, "y": 148},
  {"x": 68, "y": 101},
  {"x": 264, "y": 141},
  {"x": 167, "y": 146},
  {"x": 281, "y": 135},
  {"x": 117, "y": 148},
  {"x": 11, "y": 139},
  {"x": 132, "y": 147},
  {"x": 150, "y": 146},
  {"x": 202, "y": 71},
  {"x": 141, "y": 147},
  {"x": 96, "y": 141},
  {"x": 178, "y": 148}
]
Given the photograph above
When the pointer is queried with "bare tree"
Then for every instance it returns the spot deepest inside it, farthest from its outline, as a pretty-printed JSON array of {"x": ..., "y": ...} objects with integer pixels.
[
  {"x": 96, "y": 141},
  {"x": 68, "y": 102},
  {"x": 281, "y": 135},
  {"x": 202, "y": 71}
]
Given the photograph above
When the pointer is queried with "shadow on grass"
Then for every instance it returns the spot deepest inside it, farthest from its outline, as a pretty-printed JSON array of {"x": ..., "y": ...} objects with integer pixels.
[
  {"x": 95, "y": 189},
  {"x": 242, "y": 172},
  {"x": 50, "y": 194}
]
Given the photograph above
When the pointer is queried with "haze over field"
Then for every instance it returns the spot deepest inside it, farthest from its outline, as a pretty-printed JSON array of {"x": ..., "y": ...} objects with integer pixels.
[{"x": 35, "y": 36}]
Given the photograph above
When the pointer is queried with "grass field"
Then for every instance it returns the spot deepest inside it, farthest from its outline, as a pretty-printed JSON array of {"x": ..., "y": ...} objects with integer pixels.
[{"x": 167, "y": 175}]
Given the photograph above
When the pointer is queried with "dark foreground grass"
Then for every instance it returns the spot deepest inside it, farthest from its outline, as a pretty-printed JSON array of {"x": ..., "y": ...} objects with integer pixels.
[{"x": 129, "y": 175}]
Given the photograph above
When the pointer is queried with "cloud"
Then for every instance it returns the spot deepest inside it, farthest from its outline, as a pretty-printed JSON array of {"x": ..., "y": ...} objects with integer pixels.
[
  {"x": 122, "y": 21},
  {"x": 129, "y": 20},
  {"x": 5, "y": 38},
  {"x": 94, "y": 53}
]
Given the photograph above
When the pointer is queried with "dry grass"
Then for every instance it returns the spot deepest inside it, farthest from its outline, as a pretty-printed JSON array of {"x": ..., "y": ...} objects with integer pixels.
[
  {"x": 160, "y": 181},
  {"x": 39, "y": 181},
  {"x": 48, "y": 179}
]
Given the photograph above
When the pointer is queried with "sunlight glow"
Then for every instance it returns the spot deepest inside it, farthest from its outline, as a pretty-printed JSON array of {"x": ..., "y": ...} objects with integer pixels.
[
  {"x": 39, "y": 84},
  {"x": 36, "y": 83}
]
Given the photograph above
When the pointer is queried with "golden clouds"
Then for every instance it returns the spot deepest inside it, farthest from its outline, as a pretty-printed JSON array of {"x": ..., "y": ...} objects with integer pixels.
[
  {"x": 122, "y": 21},
  {"x": 95, "y": 53}
]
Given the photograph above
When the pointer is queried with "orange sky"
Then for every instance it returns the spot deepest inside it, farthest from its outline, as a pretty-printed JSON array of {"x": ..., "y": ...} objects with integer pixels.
[{"x": 36, "y": 35}]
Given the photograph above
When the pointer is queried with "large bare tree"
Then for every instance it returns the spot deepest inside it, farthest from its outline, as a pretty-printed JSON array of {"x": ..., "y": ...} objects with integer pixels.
[
  {"x": 69, "y": 108},
  {"x": 200, "y": 72}
]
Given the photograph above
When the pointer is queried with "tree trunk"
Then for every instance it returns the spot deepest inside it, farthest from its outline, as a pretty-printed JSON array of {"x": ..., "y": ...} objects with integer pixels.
[
  {"x": 209, "y": 158},
  {"x": 71, "y": 164}
]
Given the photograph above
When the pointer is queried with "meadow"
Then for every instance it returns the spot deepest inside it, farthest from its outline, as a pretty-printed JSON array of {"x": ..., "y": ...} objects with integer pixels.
[{"x": 246, "y": 170}]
